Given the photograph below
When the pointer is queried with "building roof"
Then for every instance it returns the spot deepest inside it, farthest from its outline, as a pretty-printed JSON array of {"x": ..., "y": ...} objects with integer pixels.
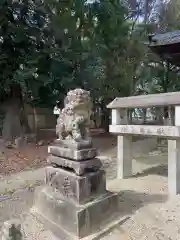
[
  {"x": 167, "y": 46},
  {"x": 165, "y": 38},
  {"x": 145, "y": 101}
]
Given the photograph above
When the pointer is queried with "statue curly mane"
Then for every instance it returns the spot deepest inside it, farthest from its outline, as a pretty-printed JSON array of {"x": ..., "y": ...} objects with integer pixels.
[{"x": 74, "y": 119}]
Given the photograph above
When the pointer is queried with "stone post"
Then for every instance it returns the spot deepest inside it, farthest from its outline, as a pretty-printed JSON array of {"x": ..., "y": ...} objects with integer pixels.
[
  {"x": 174, "y": 160},
  {"x": 74, "y": 202},
  {"x": 124, "y": 157},
  {"x": 124, "y": 145},
  {"x": 168, "y": 121}
]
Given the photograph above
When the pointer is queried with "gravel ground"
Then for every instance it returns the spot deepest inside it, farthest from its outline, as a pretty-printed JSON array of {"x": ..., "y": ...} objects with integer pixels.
[
  {"x": 16, "y": 205},
  {"x": 143, "y": 198},
  {"x": 33, "y": 156},
  {"x": 155, "y": 222},
  {"x": 15, "y": 160}
]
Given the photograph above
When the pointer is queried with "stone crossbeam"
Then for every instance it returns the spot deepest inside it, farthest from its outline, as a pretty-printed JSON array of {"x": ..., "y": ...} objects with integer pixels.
[{"x": 171, "y": 132}]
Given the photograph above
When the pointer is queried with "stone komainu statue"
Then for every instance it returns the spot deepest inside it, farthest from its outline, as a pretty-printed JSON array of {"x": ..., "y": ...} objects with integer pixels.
[
  {"x": 74, "y": 120},
  {"x": 11, "y": 230}
]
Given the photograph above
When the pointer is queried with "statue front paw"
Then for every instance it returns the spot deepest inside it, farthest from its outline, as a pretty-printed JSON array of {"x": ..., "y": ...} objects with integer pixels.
[{"x": 77, "y": 137}]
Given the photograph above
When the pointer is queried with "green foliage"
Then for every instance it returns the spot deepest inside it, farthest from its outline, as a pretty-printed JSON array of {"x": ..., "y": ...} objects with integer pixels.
[
  {"x": 50, "y": 47},
  {"x": 20, "y": 39},
  {"x": 110, "y": 43}
]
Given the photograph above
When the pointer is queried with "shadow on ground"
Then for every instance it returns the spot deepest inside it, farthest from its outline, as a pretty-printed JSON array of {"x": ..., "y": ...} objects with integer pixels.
[
  {"x": 161, "y": 170},
  {"x": 129, "y": 202}
]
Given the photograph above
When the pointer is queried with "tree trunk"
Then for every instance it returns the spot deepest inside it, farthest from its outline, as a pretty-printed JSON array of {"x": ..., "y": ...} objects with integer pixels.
[
  {"x": 24, "y": 120},
  {"x": 159, "y": 116},
  {"x": 12, "y": 127},
  {"x": 144, "y": 115},
  {"x": 130, "y": 116},
  {"x": 146, "y": 6},
  {"x": 105, "y": 118},
  {"x": 15, "y": 123}
]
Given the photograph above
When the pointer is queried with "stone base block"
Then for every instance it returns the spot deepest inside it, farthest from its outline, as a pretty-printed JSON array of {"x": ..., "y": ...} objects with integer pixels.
[
  {"x": 76, "y": 155},
  {"x": 79, "y": 167},
  {"x": 69, "y": 221},
  {"x": 73, "y": 144},
  {"x": 78, "y": 189},
  {"x": 33, "y": 229}
]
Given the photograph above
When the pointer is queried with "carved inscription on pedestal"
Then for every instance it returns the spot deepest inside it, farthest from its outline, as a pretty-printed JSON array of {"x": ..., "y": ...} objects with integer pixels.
[{"x": 66, "y": 187}]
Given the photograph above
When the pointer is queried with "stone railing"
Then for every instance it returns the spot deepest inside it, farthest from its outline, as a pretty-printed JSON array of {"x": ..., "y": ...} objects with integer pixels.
[{"x": 120, "y": 126}]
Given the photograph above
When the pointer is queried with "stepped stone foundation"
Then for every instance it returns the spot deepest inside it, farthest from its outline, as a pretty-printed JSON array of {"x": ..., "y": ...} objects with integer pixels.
[{"x": 74, "y": 203}]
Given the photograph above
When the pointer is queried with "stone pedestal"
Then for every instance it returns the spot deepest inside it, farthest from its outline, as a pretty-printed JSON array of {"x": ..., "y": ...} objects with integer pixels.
[{"x": 74, "y": 203}]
